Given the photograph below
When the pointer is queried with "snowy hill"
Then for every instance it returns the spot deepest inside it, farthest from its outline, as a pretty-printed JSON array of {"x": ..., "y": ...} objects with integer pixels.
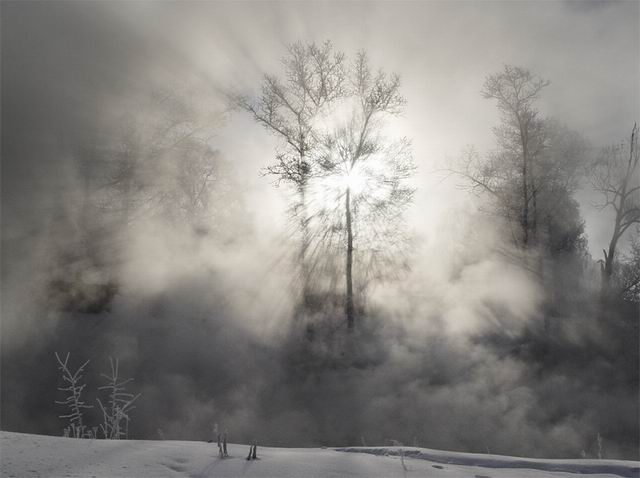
[{"x": 24, "y": 455}]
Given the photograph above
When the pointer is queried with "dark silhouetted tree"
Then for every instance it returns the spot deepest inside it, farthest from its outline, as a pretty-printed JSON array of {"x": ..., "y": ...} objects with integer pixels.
[
  {"x": 532, "y": 175},
  {"x": 364, "y": 176},
  {"x": 520, "y": 136},
  {"x": 289, "y": 107},
  {"x": 616, "y": 177},
  {"x": 627, "y": 275}
]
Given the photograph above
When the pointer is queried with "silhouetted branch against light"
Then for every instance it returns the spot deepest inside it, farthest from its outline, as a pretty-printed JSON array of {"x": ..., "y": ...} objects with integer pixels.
[{"x": 615, "y": 175}]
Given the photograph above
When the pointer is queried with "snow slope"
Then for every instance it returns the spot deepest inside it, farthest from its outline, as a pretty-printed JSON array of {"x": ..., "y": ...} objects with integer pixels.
[{"x": 23, "y": 455}]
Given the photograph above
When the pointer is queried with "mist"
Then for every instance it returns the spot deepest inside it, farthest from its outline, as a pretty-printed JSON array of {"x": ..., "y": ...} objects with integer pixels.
[{"x": 460, "y": 351}]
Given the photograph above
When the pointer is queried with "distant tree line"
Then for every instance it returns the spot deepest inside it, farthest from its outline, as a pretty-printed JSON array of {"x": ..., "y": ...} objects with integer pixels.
[
  {"x": 158, "y": 164},
  {"x": 531, "y": 179}
]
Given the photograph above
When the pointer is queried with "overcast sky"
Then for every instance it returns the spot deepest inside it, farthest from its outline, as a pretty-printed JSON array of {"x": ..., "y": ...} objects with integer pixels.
[{"x": 67, "y": 67}]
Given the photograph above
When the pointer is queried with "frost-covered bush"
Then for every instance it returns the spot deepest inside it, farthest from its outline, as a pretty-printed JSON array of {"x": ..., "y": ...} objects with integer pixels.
[
  {"x": 74, "y": 401},
  {"x": 115, "y": 412}
]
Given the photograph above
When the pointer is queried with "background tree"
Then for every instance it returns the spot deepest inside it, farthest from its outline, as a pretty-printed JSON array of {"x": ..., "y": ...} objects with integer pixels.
[
  {"x": 162, "y": 162},
  {"x": 533, "y": 174},
  {"x": 615, "y": 175},
  {"x": 531, "y": 179},
  {"x": 627, "y": 276},
  {"x": 158, "y": 164},
  {"x": 520, "y": 135},
  {"x": 313, "y": 78}
]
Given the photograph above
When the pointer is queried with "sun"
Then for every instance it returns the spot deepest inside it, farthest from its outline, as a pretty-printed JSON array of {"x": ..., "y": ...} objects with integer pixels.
[
  {"x": 354, "y": 180},
  {"x": 361, "y": 180},
  {"x": 329, "y": 191}
]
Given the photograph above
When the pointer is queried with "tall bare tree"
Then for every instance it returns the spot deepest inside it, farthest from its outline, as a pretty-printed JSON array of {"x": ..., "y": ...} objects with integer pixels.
[
  {"x": 368, "y": 171},
  {"x": 615, "y": 175},
  {"x": 313, "y": 78},
  {"x": 534, "y": 171},
  {"x": 515, "y": 90}
]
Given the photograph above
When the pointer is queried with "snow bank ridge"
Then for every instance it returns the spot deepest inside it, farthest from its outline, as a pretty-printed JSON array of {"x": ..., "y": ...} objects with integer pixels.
[{"x": 625, "y": 469}]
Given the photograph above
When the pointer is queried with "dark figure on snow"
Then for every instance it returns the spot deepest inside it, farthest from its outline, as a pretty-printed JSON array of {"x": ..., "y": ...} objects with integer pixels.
[
  {"x": 220, "y": 444},
  {"x": 253, "y": 450},
  {"x": 224, "y": 443}
]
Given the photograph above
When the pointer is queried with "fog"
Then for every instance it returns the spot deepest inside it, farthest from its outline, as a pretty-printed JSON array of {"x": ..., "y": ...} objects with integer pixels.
[{"x": 203, "y": 321}]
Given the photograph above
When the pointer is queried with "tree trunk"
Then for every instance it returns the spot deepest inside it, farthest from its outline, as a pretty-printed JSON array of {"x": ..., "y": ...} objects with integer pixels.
[
  {"x": 349, "y": 269},
  {"x": 534, "y": 219},
  {"x": 127, "y": 193},
  {"x": 609, "y": 256},
  {"x": 304, "y": 245},
  {"x": 525, "y": 187},
  {"x": 622, "y": 195},
  {"x": 608, "y": 260}
]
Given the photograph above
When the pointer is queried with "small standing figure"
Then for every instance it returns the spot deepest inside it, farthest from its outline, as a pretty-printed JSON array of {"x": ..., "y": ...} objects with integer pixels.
[
  {"x": 224, "y": 443},
  {"x": 218, "y": 439},
  {"x": 253, "y": 450}
]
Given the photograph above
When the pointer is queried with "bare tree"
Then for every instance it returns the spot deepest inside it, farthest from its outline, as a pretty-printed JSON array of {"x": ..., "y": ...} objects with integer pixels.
[
  {"x": 520, "y": 134},
  {"x": 367, "y": 171},
  {"x": 330, "y": 120},
  {"x": 628, "y": 272},
  {"x": 615, "y": 175},
  {"x": 74, "y": 401},
  {"x": 313, "y": 79},
  {"x": 158, "y": 163},
  {"x": 491, "y": 175},
  {"x": 161, "y": 162},
  {"x": 533, "y": 173}
]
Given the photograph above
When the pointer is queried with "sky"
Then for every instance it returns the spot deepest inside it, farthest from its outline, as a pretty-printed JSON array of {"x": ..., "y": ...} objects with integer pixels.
[
  {"x": 73, "y": 71},
  {"x": 82, "y": 62}
]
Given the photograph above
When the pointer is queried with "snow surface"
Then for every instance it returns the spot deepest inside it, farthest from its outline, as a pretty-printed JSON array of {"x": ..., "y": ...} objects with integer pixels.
[{"x": 24, "y": 455}]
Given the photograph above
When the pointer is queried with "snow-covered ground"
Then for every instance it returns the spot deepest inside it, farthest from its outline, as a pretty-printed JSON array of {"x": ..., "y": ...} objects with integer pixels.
[{"x": 23, "y": 455}]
